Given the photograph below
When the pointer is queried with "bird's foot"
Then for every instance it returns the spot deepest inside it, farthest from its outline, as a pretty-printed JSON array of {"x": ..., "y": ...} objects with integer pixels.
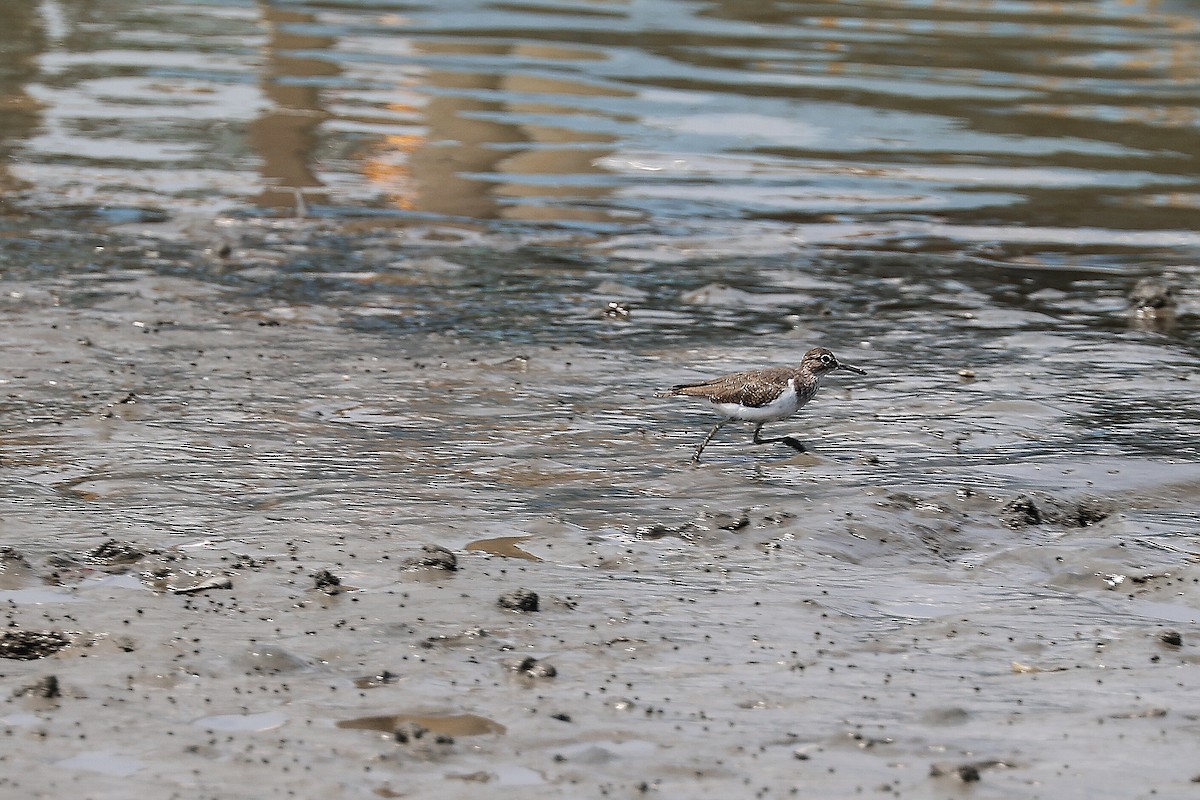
[{"x": 794, "y": 443}]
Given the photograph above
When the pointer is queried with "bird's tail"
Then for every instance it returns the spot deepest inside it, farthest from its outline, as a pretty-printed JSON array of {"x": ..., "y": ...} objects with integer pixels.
[{"x": 700, "y": 389}]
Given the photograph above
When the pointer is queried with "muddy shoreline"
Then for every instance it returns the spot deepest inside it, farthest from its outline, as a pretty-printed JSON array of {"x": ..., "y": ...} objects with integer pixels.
[{"x": 227, "y": 480}]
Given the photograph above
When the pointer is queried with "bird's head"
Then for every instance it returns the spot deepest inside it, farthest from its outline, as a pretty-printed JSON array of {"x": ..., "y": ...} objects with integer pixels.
[{"x": 821, "y": 360}]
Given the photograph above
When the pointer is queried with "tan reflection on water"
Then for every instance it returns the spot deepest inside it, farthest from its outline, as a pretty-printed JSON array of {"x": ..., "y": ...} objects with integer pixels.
[
  {"x": 436, "y": 171},
  {"x": 286, "y": 136},
  {"x": 21, "y": 41},
  {"x": 436, "y": 167}
]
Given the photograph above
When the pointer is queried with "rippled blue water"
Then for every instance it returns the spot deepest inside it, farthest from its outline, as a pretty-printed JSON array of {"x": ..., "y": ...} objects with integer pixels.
[{"x": 1015, "y": 126}]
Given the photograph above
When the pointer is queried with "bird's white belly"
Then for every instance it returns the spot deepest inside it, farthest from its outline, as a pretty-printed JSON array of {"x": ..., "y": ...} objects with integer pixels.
[{"x": 781, "y": 407}]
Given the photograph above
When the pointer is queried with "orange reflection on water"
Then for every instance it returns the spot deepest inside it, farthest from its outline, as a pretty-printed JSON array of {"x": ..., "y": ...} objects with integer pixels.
[{"x": 387, "y": 167}]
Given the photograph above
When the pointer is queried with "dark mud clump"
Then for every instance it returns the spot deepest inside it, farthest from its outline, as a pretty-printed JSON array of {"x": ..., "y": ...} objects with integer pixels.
[
  {"x": 1025, "y": 510},
  {"x": 1020, "y": 512},
  {"x": 728, "y": 521},
  {"x": 325, "y": 581},
  {"x": 31, "y": 645},
  {"x": 113, "y": 553},
  {"x": 688, "y": 531},
  {"x": 433, "y": 557},
  {"x": 531, "y": 667},
  {"x": 523, "y": 600},
  {"x": 1171, "y": 638},
  {"x": 453, "y": 639},
  {"x": 970, "y": 772},
  {"x": 381, "y": 678},
  {"x": 12, "y": 558},
  {"x": 46, "y": 688},
  {"x": 413, "y": 734}
]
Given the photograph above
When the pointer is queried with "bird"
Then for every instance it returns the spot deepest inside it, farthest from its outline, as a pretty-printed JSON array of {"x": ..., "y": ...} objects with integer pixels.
[{"x": 762, "y": 395}]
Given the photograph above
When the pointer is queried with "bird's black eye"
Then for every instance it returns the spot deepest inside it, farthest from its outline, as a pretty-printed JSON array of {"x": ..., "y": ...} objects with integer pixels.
[{"x": 826, "y": 359}]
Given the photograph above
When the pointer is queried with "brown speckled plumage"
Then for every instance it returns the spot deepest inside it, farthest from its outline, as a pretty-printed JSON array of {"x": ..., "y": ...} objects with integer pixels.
[
  {"x": 755, "y": 388},
  {"x": 762, "y": 395}
]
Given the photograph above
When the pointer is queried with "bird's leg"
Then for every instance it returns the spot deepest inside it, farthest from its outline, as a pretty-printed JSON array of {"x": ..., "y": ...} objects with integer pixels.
[
  {"x": 795, "y": 444},
  {"x": 707, "y": 439}
]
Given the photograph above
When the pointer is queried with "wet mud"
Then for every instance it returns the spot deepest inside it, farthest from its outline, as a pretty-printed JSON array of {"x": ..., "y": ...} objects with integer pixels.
[{"x": 277, "y": 526}]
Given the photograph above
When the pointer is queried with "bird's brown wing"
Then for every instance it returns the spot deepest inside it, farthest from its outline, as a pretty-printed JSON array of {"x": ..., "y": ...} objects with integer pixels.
[{"x": 755, "y": 389}]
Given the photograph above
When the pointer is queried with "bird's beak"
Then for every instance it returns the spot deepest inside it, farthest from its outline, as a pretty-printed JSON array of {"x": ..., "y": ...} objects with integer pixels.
[{"x": 852, "y": 369}]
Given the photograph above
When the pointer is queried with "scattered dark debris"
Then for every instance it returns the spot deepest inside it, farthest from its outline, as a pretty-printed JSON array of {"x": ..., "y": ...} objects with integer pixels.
[
  {"x": 62, "y": 561},
  {"x": 868, "y": 742},
  {"x": 1020, "y": 512},
  {"x": 523, "y": 600},
  {"x": 185, "y": 581},
  {"x": 561, "y": 717},
  {"x": 412, "y": 733},
  {"x": 327, "y": 582},
  {"x": 1142, "y": 580},
  {"x": 519, "y": 363},
  {"x": 452, "y": 639},
  {"x": 687, "y": 531},
  {"x": 480, "y": 776},
  {"x": 970, "y": 772},
  {"x": 12, "y": 558},
  {"x": 868, "y": 459},
  {"x": 727, "y": 521},
  {"x": 31, "y": 645},
  {"x": 381, "y": 678},
  {"x": 531, "y": 667},
  {"x": 899, "y": 500},
  {"x": 1171, "y": 638},
  {"x": 1152, "y": 294},
  {"x": 244, "y": 561},
  {"x": 1027, "y": 510},
  {"x": 432, "y": 557},
  {"x": 114, "y": 553},
  {"x": 46, "y": 688},
  {"x": 407, "y": 732},
  {"x": 1145, "y": 713},
  {"x": 616, "y": 310},
  {"x": 1087, "y": 512}
]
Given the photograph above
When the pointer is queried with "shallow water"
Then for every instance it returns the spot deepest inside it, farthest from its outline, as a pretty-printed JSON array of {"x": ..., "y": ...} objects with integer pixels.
[{"x": 303, "y": 287}]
